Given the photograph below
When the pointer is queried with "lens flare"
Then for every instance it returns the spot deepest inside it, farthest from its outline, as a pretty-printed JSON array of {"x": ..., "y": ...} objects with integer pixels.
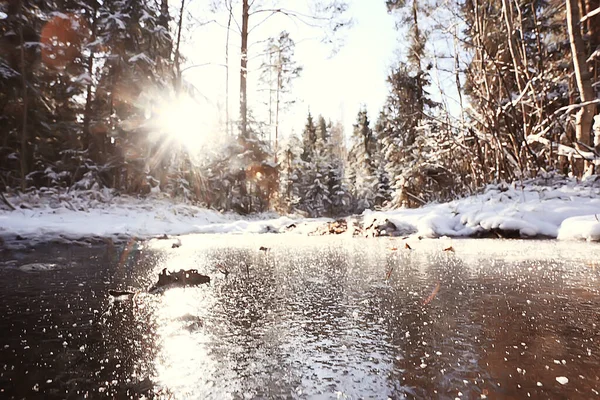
[{"x": 181, "y": 120}]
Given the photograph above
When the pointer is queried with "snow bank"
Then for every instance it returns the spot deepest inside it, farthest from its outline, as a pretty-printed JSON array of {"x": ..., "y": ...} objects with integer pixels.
[
  {"x": 564, "y": 210},
  {"x": 48, "y": 214},
  {"x": 121, "y": 216},
  {"x": 585, "y": 227}
]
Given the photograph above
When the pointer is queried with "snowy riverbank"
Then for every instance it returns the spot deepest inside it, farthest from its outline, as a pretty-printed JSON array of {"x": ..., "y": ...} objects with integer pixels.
[
  {"x": 48, "y": 215},
  {"x": 564, "y": 210}
]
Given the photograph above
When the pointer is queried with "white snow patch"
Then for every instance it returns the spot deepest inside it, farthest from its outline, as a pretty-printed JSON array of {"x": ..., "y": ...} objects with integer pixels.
[
  {"x": 48, "y": 214},
  {"x": 84, "y": 79},
  {"x": 58, "y": 14},
  {"x": 585, "y": 227},
  {"x": 563, "y": 380},
  {"x": 38, "y": 267},
  {"x": 569, "y": 211},
  {"x": 141, "y": 57}
]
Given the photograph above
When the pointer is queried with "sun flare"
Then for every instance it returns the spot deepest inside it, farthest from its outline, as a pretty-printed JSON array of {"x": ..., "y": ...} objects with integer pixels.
[{"x": 182, "y": 121}]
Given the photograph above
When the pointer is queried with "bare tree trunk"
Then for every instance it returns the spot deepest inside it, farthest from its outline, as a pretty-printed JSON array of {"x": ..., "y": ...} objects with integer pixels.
[
  {"x": 457, "y": 79},
  {"x": 415, "y": 15},
  {"x": 417, "y": 33},
  {"x": 279, "y": 85},
  {"x": 515, "y": 56},
  {"x": 177, "y": 55},
  {"x": 584, "y": 118},
  {"x": 87, "y": 115},
  {"x": 270, "y": 95},
  {"x": 23, "y": 155},
  {"x": 230, "y": 8},
  {"x": 593, "y": 24},
  {"x": 244, "y": 70}
]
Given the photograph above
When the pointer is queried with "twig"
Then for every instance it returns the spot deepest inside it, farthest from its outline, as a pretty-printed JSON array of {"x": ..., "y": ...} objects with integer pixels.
[
  {"x": 572, "y": 107},
  {"x": 5, "y": 201},
  {"x": 590, "y": 15}
]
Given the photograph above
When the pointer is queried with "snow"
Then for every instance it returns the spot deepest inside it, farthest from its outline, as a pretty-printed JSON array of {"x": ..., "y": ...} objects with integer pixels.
[
  {"x": 564, "y": 212},
  {"x": 141, "y": 57},
  {"x": 6, "y": 71},
  {"x": 567, "y": 210},
  {"x": 58, "y": 14},
  {"x": 563, "y": 380},
  {"x": 94, "y": 213},
  {"x": 117, "y": 18},
  {"x": 583, "y": 227},
  {"x": 83, "y": 78}
]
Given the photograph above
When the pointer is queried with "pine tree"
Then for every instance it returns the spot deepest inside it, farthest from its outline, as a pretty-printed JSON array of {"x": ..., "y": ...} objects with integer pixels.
[
  {"x": 322, "y": 130},
  {"x": 291, "y": 174},
  {"x": 41, "y": 75},
  {"x": 326, "y": 15},
  {"x": 135, "y": 38},
  {"x": 309, "y": 157},
  {"x": 309, "y": 139},
  {"x": 320, "y": 174},
  {"x": 384, "y": 193},
  {"x": 406, "y": 111},
  {"x": 317, "y": 199},
  {"x": 361, "y": 163},
  {"x": 339, "y": 194}
]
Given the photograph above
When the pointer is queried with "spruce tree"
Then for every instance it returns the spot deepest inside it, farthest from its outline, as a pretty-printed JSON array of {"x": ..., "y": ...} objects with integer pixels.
[
  {"x": 309, "y": 139},
  {"x": 384, "y": 192},
  {"x": 291, "y": 172},
  {"x": 361, "y": 163}
]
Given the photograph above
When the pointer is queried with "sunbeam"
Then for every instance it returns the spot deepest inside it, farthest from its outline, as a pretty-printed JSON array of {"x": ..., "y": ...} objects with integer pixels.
[{"x": 183, "y": 121}]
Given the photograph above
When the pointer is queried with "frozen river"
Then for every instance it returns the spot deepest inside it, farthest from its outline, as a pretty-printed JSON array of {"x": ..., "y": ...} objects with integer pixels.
[{"x": 311, "y": 317}]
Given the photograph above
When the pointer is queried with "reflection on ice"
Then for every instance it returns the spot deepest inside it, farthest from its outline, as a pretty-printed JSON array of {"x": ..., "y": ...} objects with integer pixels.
[
  {"x": 312, "y": 318},
  {"x": 181, "y": 340}
]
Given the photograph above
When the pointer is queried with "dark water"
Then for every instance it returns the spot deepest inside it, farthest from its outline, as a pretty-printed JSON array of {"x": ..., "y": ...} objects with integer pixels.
[{"x": 314, "y": 318}]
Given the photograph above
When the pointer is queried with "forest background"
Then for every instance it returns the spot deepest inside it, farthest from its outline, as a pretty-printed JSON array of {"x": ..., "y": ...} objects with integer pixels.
[{"x": 94, "y": 95}]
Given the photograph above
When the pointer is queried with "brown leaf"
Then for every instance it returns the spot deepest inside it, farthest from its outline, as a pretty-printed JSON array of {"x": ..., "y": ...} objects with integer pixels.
[
  {"x": 407, "y": 246},
  {"x": 449, "y": 249}
]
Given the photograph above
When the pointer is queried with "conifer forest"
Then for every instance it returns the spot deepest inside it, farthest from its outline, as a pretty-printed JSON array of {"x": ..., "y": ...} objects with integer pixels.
[{"x": 513, "y": 93}]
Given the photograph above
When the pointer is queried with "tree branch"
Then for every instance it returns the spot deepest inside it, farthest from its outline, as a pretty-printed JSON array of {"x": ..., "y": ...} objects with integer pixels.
[{"x": 591, "y": 14}]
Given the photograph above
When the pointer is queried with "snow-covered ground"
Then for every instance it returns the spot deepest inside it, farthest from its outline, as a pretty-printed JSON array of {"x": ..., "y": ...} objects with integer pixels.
[
  {"x": 564, "y": 210},
  {"x": 47, "y": 215}
]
